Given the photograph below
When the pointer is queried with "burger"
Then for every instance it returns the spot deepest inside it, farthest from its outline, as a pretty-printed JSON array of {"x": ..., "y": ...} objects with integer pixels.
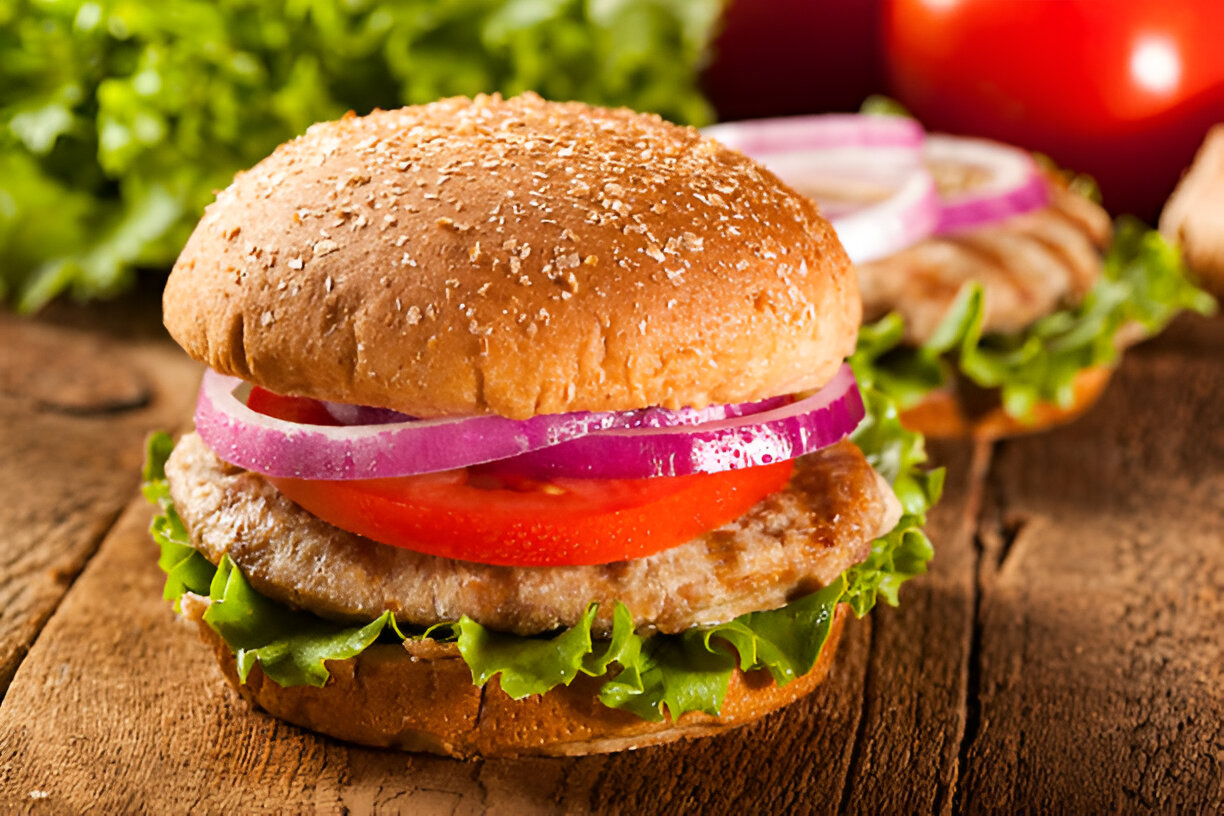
[
  {"x": 526, "y": 429},
  {"x": 1013, "y": 324},
  {"x": 997, "y": 293}
]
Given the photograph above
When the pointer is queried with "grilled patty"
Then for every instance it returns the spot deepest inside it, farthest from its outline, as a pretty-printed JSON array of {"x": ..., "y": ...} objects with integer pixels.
[
  {"x": 1029, "y": 266},
  {"x": 790, "y": 544}
]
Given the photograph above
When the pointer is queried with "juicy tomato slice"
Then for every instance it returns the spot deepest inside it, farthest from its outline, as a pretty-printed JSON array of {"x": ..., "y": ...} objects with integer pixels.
[
  {"x": 301, "y": 410},
  {"x": 475, "y": 514}
]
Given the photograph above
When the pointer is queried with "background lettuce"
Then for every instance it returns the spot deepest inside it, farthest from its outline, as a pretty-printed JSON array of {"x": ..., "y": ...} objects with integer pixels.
[
  {"x": 1144, "y": 284},
  {"x": 119, "y": 118}
]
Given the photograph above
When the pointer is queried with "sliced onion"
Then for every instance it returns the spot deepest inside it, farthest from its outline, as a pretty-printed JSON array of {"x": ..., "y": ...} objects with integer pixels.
[
  {"x": 275, "y": 447},
  {"x": 757, "y": 137},
  {"x": 806, "y": 425},
  {"x": 881, "y": 229},
  {"x": 1012, "y": 183},
  {"x": 866, "y": 172}
]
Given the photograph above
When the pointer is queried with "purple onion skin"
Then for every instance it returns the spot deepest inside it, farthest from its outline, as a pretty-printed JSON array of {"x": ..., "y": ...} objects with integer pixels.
[
  {"x": 405, "y": 447},
  {"x": 681, "y": 452}
]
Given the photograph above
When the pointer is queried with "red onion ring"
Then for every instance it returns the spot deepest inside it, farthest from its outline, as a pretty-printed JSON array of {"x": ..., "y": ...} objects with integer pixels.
[
  {"x": 1015, "y": 184},
  {"x": 759, "y": 137},
  {"x": 654, "y": 417},
  {"x": 792, "y": 430},
  {"x": 865, "y": 171},
  {"x": 907, "y": 216},
  {"x": 275, "y": 447}
]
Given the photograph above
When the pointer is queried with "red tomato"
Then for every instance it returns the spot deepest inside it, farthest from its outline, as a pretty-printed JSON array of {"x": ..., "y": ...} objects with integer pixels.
[
  {"x": 301, "y": 410},
  {"x": 1124, "y": 91},
  {"x": 476, "y": 515}
]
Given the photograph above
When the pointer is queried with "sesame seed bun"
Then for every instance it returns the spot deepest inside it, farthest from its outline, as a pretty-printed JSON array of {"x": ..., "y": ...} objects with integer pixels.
[{"x": 517, "y": 257}]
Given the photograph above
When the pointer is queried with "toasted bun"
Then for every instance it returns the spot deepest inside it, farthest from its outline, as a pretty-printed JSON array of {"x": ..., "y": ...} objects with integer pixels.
[
  {"x": 1193, "y": 217},
  {"x": 941, "y": 415},
  {"x": 423, "y": 699},
  {"x": 516, "y": 257}
]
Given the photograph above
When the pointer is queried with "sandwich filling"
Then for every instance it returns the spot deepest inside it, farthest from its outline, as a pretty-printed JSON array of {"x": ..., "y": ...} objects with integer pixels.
[
  {"x": 792, "y": 542},
  {"x": 289, "y": 592}
]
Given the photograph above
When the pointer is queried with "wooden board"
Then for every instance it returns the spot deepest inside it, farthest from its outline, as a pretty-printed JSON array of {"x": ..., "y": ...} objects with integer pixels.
[
  {"x": 1101, "y": 626},
  {"x": 1064, "y": 653},
  {"x": 74, "y": 407}
]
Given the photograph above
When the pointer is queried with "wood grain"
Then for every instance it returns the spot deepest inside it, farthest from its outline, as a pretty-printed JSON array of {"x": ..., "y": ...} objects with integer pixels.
[
  {"x": 915, "y": 697},
  {"x": 1102, "y": 615},
  {"x": 74, "y": 407}
]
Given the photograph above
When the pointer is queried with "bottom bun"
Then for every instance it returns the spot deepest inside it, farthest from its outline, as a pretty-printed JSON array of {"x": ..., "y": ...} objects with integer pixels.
[
  {"x": 420, "y": 697},
  {"x": 942, "y": 415}
]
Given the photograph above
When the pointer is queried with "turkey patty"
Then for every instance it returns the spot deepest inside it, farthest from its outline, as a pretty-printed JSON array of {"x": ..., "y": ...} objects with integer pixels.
[{"x": 789, "y": 544}]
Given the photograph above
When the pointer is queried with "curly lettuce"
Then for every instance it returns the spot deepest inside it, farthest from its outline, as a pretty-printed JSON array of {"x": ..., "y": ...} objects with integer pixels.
[
  {"x": 119, "y": 118},
  {"x": 650, "y": 676},
  {"x": 1144, "y": 283}
]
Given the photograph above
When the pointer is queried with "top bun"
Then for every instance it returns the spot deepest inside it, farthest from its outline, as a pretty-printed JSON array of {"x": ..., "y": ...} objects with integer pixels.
[{"x": 513, "y": 256}]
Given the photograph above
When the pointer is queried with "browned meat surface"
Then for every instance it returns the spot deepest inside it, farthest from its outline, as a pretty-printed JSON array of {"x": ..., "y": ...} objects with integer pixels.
[
  {"x": 789, "y": 544},
  {"x": 1029, "y": 265}
]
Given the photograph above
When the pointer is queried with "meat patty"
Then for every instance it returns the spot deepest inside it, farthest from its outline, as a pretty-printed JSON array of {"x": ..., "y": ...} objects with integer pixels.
[
  {"x": 790, "y": 544},
  {"x": 1029, "y": 266}
]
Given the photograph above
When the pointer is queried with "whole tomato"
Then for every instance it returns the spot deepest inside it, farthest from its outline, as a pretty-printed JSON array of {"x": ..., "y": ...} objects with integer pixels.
[{"x": 1124, "y": 90}]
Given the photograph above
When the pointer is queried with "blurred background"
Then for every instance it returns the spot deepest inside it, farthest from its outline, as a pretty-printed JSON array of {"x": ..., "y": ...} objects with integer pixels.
[{"x": 120, "y": 118}]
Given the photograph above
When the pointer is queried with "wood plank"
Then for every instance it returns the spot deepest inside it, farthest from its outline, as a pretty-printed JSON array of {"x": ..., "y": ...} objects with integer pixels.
[
  {"x": 1102, "y": 611},
  {"x": 74, "y": 407},
  {"x": 915, "y": 695}
]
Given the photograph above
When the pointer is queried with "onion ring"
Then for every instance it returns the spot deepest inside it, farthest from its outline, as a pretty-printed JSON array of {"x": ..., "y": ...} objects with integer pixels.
[
  {"x": 827, "y": 416},
  {"x": 758, "y": 137},
  {"x": 1013, "y": 185},
  {"x": 275, "y": 447}
]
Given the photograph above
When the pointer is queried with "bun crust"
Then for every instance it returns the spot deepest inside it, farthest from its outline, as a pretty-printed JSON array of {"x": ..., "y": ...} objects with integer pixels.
[
  {"x": 940, "y": 415},
  {"x": 1193, "y": 217},
  {"x": 424, "y": 700},
  {"x": 517, "y": 257}
]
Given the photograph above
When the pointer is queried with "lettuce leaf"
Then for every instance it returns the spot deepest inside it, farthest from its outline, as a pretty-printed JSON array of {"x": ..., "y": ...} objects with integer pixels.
[
  {"x": 186, "y": 569},
  {"x": 1144, "y": 284},
  {"x": 118, "y": 118},
  {"x": 290, "y": 646},
  {"x": 650, "y": 676}
]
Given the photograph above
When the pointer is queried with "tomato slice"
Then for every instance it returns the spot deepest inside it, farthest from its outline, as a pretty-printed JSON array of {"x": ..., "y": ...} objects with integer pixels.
[
  {"x": 475, "y": 514},
  {"x": 302, "y": 410}
]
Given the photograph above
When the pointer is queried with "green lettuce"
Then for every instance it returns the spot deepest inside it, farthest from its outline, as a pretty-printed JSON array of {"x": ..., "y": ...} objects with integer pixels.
[
  {"x": 119, "y": 118},
  {"x": 1144, "y": 284},
  {"x": 650, "y": 676}
]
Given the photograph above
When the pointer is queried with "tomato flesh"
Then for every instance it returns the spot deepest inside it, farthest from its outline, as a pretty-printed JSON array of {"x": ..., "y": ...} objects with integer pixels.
[
  {"x": 301, "y": 410},
  {"x": 1124, "y": 91},
  {"x": 476, "y": 514}
]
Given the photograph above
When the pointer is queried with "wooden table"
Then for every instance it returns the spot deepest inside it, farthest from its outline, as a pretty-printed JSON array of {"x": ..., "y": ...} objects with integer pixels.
[{"x": 1066, "y": 652}]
